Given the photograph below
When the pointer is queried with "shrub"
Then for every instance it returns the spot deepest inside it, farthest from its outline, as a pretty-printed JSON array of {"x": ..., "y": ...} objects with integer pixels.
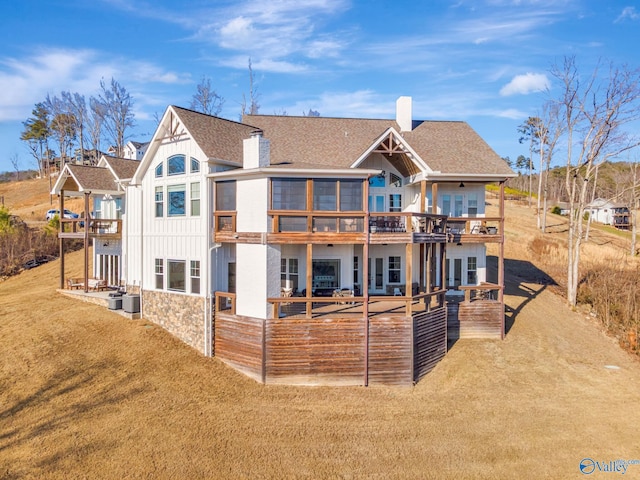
[{"x": 556, "y": 210}]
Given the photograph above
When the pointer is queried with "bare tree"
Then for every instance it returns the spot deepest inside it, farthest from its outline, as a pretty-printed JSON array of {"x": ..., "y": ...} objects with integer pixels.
[
  {"x": 549, "y": 133},
  {"x": 63, "y": 125},
  {"x": 15, "y": 162},
  {"x": 529, "y": 132},
  {"x": 95, "y": 118},
  {"x": 117, "y": 113},
  {"x": 77, "y": 107},
  {"x": 206, "y": 99},
  {"x": 593, "y": 116},
  {"x": 254, "y": 96}
]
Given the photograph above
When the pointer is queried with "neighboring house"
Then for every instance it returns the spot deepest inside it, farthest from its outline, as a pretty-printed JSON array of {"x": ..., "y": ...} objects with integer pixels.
[
  {"x": 316, "y": 250},
  {"x": 103, "y": 188},
  {"x": 135, "y": 150},
  {"x": 609, "y": 213}
]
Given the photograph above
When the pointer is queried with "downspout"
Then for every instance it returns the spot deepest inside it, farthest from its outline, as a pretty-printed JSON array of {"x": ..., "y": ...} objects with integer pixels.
[{"x": 141, "y": 250}]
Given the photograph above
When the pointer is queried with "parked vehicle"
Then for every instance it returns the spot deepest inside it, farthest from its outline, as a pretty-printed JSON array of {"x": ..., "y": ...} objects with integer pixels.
[{"x": 54, "y": 211}]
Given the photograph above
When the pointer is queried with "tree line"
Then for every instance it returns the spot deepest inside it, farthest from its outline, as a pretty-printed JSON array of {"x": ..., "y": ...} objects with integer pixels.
[
  {"x": 77, "y": 126},
  {"x": 588, "y": 124}
]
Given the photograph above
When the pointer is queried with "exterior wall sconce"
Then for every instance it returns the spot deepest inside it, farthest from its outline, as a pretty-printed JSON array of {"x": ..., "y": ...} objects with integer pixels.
[{"x": 461, "y": 185}]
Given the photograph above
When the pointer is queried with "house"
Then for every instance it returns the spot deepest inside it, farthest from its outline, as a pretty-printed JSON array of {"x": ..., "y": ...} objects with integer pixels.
[
  {"x": 103, "y": 188},
  {"x": 135, "y": 150},
  {"x": 313, "y": 250},
  {"x": 609, "y": 213}
]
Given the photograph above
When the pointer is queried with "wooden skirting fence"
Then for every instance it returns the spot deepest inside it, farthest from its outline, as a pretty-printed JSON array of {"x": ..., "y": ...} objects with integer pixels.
[{"x": 386, "y": 350}]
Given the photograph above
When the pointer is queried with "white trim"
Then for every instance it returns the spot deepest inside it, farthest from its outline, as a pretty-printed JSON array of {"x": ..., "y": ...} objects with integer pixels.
[{"x": 414, "y": 157}]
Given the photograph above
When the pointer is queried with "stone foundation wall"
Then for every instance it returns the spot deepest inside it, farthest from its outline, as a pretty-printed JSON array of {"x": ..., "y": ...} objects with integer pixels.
[
  {"x": 133, "y": 289},
  {"x": 181, "y": 315}
]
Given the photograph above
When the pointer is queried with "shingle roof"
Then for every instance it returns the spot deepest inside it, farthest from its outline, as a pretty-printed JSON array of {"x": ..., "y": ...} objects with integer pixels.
[
  {"x": 322, "y": 142},
  {"x": 218, "y": 138},
  {"x": 124, "y": 168},
  {"x": 93, "y": 178}
]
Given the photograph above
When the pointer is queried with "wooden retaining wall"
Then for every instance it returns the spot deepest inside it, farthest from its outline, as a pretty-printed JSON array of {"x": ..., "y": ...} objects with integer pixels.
[
  {"x": 481, "y": 319},
  {"x": 315, "y": 351},
  {"x": 390, "y": 350},
  {"x": 429, "y": 341},
  {"x": 331, "y": 351},
  {"x": 239, "y": 342}
]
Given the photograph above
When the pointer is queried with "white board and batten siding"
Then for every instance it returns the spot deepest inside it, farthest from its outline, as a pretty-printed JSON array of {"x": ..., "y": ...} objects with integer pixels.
[{"x": 183, "y": 237}]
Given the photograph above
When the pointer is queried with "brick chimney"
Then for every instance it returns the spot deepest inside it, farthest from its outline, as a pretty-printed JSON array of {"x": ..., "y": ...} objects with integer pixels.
[
  {"x": 404, "y": 115},
  {"x": 256, "y": 151}
]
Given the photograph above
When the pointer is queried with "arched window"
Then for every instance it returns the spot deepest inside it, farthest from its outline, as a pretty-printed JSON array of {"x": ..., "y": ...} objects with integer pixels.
[
  {"x": 175, "y": 165},
  {"x": 195, "y": 165},
  {"x": 394, "y": 180},
  {"x": 159, "y": 171}
]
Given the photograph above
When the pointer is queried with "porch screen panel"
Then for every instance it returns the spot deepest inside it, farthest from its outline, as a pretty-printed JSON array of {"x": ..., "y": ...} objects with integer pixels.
[
  {"x": 350, "y": 195},
  {"x": 325, "y": 195},
  {"x": 226, "y": 196},
  {"x": 289, "y": 194}
]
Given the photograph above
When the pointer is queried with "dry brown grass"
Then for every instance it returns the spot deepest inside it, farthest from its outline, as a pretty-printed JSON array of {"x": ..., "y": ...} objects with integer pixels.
[{"x": 85, "y": 393}]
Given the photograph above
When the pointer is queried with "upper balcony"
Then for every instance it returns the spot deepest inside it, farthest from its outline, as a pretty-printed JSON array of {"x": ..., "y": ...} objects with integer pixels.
[
  {"x": 98, "y": 228},
  {"x": 337, "y": 228},
  {"x": 467, "y": 230}
]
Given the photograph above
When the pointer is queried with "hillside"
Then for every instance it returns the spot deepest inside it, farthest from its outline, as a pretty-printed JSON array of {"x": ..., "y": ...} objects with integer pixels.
[{"x": 86, "y": 393}]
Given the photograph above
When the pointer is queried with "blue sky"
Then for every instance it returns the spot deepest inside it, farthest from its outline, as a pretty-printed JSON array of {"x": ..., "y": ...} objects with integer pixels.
[{"x": 485, "y": 62}]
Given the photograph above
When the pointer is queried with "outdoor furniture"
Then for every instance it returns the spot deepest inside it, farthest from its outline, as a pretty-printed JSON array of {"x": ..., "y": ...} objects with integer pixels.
[
  {"x": 74, "y": 284},
  {"x": 97, "y": 284},
  {"x": 343, "y": 292}
]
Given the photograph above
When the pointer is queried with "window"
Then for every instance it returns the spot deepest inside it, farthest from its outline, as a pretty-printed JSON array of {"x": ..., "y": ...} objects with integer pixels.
[
  {"x": 195, "y": 199},
  {"x": 195, "y": 276},
  {"x": 289, "y": 273},
  {"x": 289, "y": 194},
  {"x": 176, "y": 275},
  {"x": 457, "y": 206},
  {"x": 446, "y": 205},
  {"x": 377, "y": 181},
  {"x": 159, "y": 171},
  {"x": 472, "y": 271},
  {"x": 394, "y": 180},
  {"x": 118, "y": 203},
  {"x": 350, "y": 195},
  {"x": 324, "y": 195},
  {"x": 394, "y": 269},
  {"x": 395, "y": 202},
  {"x": 176, "y": 200},
  {"x": 226, "y": 196},
  {"x": 159, "y": 202},
  {"x": 195, "y": 165},
  {"x": 355, "y": 270},
  {"x": 472, "y": 205},
  {"x": 159, "y": 273},
  {"x": 175, "y": 165}
]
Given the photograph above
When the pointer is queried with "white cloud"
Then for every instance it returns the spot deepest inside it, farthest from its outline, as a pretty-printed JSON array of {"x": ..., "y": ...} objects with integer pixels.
[
  {"x": 26, "y": 81},
  {"x": 525, "y": 84},
  {"x": 628, "y": 13}
]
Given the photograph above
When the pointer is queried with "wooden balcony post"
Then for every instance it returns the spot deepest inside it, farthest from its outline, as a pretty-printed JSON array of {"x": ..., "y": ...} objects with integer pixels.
[
  {"x": 309, "y": 279},
  {"x": 408, "y": 277},
  {"x": 60, "y": 239},
  {"x": 86, "y": 242}
]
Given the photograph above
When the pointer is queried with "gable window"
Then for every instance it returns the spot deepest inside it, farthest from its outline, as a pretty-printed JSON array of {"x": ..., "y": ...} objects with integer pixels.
[
  {"x": 195, "y": 165},
  {"x": 159, "y": 171},
  {"x": 176, "y": 275},
  {"x": 195, "y": 276},
  {"x": 226, "y": 196},
  {"x": 394, "y": 180},
  {"x": 175, "y": 165},
  {"x": 377, "y": 181},
  {"x": 159, "y": 202},
  {"x": 289, "y": 194},
  {"x": 176, "y": 200},
  {"x": 195, "y": 199},
  {"x": 159, "y": 272}
]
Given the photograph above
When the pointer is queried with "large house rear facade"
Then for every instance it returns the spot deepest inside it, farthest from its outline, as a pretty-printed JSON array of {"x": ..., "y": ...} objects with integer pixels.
[{"x": 313, "y": 250}]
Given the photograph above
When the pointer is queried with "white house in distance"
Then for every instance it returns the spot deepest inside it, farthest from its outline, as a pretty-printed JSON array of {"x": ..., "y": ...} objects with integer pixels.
[
  {"x": 609, "y": 213},
  {"x": 316, "y": 250}
]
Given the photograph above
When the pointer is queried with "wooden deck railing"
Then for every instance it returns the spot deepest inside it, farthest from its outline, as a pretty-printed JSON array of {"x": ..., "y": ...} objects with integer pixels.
[
  {"x": 484, "y": 291},
  {"x": 76, "y": 227},
  {"x": 473, "y": 225},
  {"x": 225, "y": 302}
]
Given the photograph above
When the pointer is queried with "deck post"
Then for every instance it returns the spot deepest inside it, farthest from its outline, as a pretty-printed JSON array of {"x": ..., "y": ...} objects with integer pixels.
[
  {"x": 408, "y": 293},
  {"x": 60, "y": 239},
  {"x": 501, "y": 255},
  {"x": 309, "y": 282},
  {"x": 86, "y": 242}
]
